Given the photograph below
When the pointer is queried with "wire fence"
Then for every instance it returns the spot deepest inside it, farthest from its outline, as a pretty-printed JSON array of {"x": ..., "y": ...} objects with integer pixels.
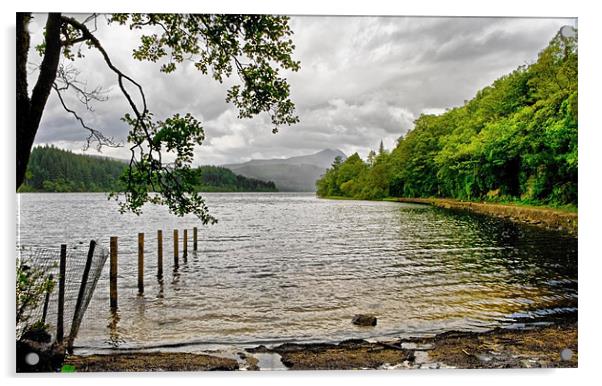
[{"x": 83, "y": 267}]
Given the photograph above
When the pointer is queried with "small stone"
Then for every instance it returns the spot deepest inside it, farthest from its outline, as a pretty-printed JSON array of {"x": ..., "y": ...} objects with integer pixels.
[
  {"x": 364, "y": 320},
  {"x": 566, "y": 354}
]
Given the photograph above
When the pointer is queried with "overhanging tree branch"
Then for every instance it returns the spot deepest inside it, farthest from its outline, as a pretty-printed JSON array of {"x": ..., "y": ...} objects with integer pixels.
[
  {"x": 255, "y": 46},
  {"x": 146, "y": 168}
]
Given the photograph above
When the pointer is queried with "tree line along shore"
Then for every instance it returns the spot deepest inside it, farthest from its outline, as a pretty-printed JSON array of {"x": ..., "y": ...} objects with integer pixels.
[
  {"x": 514, "y": 142},
  {"x": 51, "y": 169}
]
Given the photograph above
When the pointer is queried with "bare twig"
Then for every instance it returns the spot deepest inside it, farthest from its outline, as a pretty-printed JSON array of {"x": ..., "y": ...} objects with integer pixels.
[
  {"x": 67, "y": 76},
  {"x": 95, "y": 135}
]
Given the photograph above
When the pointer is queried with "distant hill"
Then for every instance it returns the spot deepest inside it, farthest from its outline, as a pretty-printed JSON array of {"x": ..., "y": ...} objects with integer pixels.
[
  {"x": 51, "y": 169},
  {"x": 295, "y": 174},
  {"x": 220, "y": 179}
]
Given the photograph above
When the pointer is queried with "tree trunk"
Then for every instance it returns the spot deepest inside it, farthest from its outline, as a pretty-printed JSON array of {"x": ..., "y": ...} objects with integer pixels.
[
  {"x": 22, "y": 94},
  {"x": 29, "y": 111}
]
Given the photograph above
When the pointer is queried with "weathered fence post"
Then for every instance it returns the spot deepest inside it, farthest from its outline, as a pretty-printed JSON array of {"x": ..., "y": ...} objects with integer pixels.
[
  {"x": 185, "y": 242},
  {"x": 61, "y": 306},
  {"x": 159, "y": 254},
  {"x": 140, "y": 263},
  {"x": 80, "y": 297},
  {"x": 194, "y": 238},
  {"x": 113, "y": 273},
  {"x": 175, "y": 247},
  {"x": 46, "y": 301}
]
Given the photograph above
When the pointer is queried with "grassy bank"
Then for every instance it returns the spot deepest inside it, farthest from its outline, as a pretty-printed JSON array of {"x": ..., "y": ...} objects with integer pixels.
[{"x": 499, "y": 348}]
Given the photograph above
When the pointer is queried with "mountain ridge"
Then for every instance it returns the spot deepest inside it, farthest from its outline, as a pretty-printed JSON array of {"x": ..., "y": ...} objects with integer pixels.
[{"x": 293, "y": 174}]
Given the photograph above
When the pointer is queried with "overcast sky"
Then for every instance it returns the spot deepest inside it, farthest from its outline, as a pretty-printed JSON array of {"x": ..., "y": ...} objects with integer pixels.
[{"x": 362, "y": 79}]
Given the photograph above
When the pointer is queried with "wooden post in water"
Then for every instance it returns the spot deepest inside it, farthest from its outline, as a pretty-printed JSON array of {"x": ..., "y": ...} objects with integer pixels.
[
  {"x": 159, "y": 254},
  {"x": 194, "y": 238},
  {"x": 175, "y": 247},
  {"x": 61, "y": 306},
  {"x": 140, "y": 263},
  {"x": 185, "y": 242},
  {"x": 113, "y": 273}
]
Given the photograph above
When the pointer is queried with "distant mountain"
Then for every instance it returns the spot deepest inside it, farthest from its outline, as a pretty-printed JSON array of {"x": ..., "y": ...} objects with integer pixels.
[{"x": 295, "y": 174}]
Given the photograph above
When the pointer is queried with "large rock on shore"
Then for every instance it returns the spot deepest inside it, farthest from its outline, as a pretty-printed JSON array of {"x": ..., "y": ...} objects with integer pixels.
[{"x": 364, "y": 320}]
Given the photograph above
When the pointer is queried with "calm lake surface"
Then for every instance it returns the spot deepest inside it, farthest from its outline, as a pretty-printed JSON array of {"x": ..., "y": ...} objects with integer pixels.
[{"x": 290, "y": 267}]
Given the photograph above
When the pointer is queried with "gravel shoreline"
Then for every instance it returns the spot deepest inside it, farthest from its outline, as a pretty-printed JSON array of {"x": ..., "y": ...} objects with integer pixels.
[{"x": 536, "y": 347}]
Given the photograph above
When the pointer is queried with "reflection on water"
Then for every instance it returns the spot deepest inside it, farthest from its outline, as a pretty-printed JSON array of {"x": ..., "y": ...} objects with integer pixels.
[
  {"x": 114, "y": 340},
  {"x": 283, "y": 266}
]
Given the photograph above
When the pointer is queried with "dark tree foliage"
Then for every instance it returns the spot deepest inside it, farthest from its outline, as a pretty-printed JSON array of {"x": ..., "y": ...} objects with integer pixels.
[
  {"x": 254, "y": 47},
  {"x": 515, "y": 140}
]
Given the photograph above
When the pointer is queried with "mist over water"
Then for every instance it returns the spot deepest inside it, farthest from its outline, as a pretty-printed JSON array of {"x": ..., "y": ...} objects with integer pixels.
[{"x": 291, "y": 267}]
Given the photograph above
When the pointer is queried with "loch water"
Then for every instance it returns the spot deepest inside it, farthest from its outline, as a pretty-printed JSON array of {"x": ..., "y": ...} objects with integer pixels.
[{"x": 281, "y": 267}]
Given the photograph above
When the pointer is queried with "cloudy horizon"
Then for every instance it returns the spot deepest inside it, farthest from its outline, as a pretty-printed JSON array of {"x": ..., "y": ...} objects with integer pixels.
[{"x": 362, "y": 80}]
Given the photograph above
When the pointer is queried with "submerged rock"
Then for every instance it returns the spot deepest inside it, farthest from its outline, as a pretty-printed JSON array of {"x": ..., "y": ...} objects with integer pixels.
[{"x": 364, "y": 320}]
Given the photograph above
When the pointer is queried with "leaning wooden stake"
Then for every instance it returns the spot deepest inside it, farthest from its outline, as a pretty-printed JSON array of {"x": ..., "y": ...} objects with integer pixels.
[
  {"x": 159, "y": 254},
  {"x": 194, "y": 238},
  {"x": 79, "y": 304},
  {"x": 185, "y": 242},
  {"x": 175, "y": 247},
  {"x": 140, "y": 263},
  {"x": 113, "y": 272},
  {"x": 46, "y": 301},
  {"x": 61, "y": 306}
]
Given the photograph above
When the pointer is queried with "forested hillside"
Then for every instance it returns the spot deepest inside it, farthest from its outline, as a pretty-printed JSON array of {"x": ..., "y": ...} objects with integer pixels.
[
  {"x": 51, "y": 169},
  {"x": 515, "y": 140},
  {"x": 220, "y": 179}
]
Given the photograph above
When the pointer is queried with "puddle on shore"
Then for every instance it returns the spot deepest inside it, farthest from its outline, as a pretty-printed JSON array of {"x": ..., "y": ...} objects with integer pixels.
[
  {"x": 416, "y": 346},
  {"x": 265, "y": 361},
  {"x": 269, "y": 361}
]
